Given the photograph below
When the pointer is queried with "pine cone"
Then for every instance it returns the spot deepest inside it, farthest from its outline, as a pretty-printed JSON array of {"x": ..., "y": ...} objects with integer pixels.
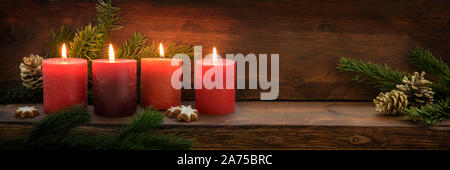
[
  {"x": 391, "y": 103},
  {"x": 31, "y": 71},
  {"x": 417, "y": 89}
]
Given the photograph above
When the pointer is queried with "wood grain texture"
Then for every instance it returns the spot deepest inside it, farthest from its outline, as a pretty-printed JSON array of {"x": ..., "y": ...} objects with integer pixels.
[
  {"x": 309, "y": 35},
  {"x": 277, "y": 125}
]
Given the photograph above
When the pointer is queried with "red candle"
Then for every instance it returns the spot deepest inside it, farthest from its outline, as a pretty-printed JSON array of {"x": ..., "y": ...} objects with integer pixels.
[
  {"x": 114, "y": 84},
  {"x": 65, "y": 82},
  {"x": 215, "y": 101},
  {"x": 156, "y": 86}
]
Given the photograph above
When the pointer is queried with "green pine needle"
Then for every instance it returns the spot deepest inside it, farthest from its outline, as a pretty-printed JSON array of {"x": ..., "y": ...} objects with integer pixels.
[
  {"x": 87, "y": 43},
  {"x": 60, "y": 121},
  {"x": 142, "y": 122},
  {"x": 107, "y": 18},
  {"x": 53, "y": 133},
  {"x": 424, "y": 60},
  {"x": 431, "y": 113},
  {"x": 64, "y": 35},
  {"x": 383, "y": 77},
  {"x": 21, "y": 94},
  {"x": 130, "y": 49}
]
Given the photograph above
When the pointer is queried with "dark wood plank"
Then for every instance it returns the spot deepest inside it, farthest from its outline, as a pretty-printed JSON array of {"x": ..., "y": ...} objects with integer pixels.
[
  {"x": 277, "y": 125},
  {"x": 309, "y": 35}
]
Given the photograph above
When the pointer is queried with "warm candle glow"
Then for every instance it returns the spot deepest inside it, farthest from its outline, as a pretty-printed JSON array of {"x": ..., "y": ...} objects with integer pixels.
[
  {"x": 64, "y": 52},
  {"x": 214, "y": 57},
  {"x": 161, "y": 50},
  {"x": 111, "y": 53}
]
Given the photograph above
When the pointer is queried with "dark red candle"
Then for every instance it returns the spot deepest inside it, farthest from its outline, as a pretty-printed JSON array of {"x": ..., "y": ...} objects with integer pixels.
[
  {"x": 65, "y": 82},
  {"x": 114, "y": 85},
  {"x": 215, "y": 101}
]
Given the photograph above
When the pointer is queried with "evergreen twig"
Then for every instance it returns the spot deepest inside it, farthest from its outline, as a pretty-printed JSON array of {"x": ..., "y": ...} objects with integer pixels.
[
  {"x": 424, "y": 60},
  {"x": 384, "y": 77},
  {"x": 130, "y": 49},
  {"x": 63, "y": 35},
  {"x": 53, "y": 133},
  {"x": 142, "y": 122},
  {"x": 108, "y": 18},
  {"x": 60, "y": 121},
  {"x": 21, "y": 94},
  {"x": 89, "y": 41},
  {"x": 431, "y": 113}
]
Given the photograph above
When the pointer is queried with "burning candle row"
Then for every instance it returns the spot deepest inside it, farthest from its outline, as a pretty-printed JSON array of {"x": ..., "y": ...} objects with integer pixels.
[{"x": 114, "y": 84}]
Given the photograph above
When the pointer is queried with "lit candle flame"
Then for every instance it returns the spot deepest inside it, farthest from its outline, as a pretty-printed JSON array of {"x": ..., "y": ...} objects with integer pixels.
[
  {"x": 214, "y": 57},
  {"x": 64, "y": 52},
  {"x": 111, "y": 53},
  {"x": 161, "y": 50}
]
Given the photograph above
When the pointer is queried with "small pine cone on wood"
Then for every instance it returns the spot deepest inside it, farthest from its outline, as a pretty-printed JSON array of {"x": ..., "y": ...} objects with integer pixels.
[
  {"x": 391, "y": 103},
  {"x": 417, "y": 89},
  {"x": 31, "y": 71}
]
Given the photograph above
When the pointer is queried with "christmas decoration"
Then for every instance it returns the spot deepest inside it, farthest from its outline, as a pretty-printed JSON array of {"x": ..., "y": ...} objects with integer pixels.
[
  {"x": 173, "y": 112},
  {"x": 385, "y": 78},
  {"x": 89, "y": 42},
  {"x": 437, "y": 69},
  {"x": 26, "y": 112},
  {"x": 417, "y": 89},
  {"x": 391, "y": 103},
  {"x": 52, "y": 133},
  {"x": 31, "y": 71},
  {"x": 183, "y": 113},
  {"x": 187, "y": 114},
  {"x": 422, "y": 94}
]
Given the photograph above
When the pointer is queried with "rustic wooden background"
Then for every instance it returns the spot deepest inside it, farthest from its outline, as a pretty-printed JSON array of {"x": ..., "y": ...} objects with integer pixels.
[{"x": 309, "y": 35}]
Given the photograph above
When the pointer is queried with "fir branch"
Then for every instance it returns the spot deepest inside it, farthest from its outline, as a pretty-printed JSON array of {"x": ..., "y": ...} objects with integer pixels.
[
  {"x": 142, "y": 122},
  {"x": 52, "y": 133},
  {"x": 431, "y": 113},
  {"x": 60, "y": 121},
  {"x": 441, "y": 91},
  {"x": 107, "y": 18},
  {"x": 445, "y": 81},
  {"x": 130, "y": 49},
  {"x": 383, "y": 77},
  {"x": 424, "y": 60},
  {"x": 135, "y": 135},
  {"x": 21, "y": 94},
  {"x": 87, "y": 43},
  {"x": 64, "y": 35}
]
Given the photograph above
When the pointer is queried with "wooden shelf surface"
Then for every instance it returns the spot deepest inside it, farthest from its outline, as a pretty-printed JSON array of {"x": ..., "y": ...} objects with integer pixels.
[{"x": 276, "y": 125}]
